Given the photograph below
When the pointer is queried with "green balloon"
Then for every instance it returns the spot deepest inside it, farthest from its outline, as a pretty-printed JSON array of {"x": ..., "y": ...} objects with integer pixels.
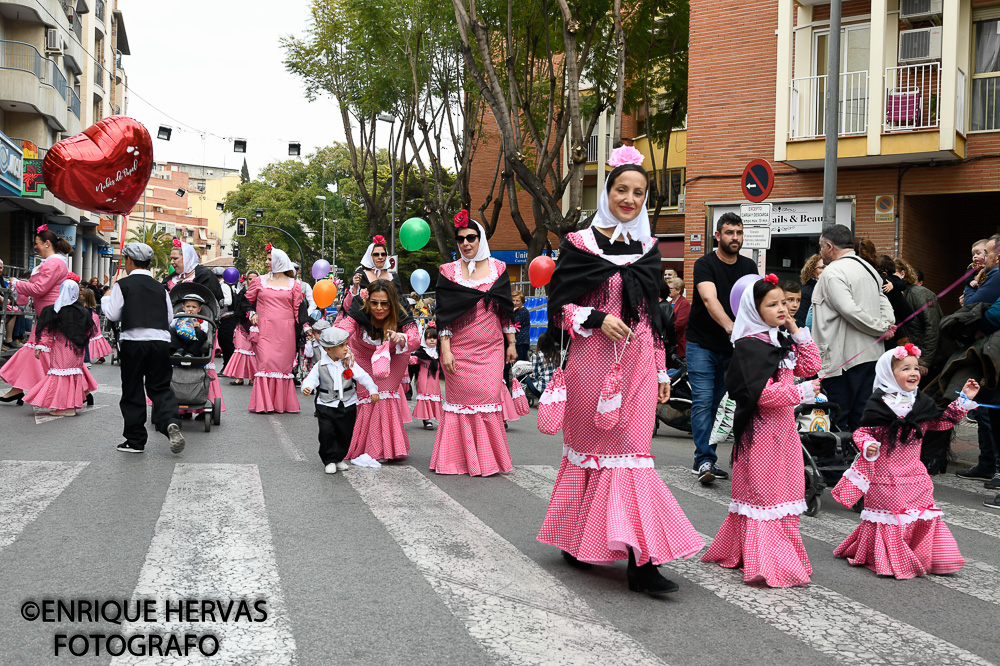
[{"x": 414, "y": 234}]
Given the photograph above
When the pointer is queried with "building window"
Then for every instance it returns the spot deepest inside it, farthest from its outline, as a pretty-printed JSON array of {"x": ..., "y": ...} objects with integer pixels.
[
  {"x": 674, "y": 184},
  {"x": 986, "y": 76}
]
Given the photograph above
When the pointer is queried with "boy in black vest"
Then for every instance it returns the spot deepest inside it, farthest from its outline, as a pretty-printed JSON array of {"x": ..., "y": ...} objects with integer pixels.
[
  {"x": 336, "y": 398},
  {"x": 142, "y": 306}
]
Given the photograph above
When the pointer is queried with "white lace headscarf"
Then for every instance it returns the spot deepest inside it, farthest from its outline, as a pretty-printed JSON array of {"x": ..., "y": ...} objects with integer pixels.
[
  {"x": 69, "y": 293},
  {"x": 279, "y": 262},
  {"x": 748, "y": 320},
  {"x": 484, "y": 248},
  {"x": 899, "y": 401},
  {"x": 190, "y": 256},
  {"x": 368, "y": 262}
]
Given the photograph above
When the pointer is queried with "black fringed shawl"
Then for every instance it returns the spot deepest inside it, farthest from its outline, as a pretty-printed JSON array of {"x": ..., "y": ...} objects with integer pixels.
[
  {"x": 583, "y": 278},
  {"x": 877, "y": 414},
  {"x": 456, "y": 303},
  {"x": 73, "y": 321},
  {"x": 433, "y": 366},
  {"x": 754, "y": 362}
]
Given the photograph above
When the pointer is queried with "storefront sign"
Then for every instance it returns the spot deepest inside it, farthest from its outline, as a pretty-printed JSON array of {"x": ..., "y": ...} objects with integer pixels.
[
  {"x": 106, "y": 250},
  {"x": 11, "y": 169},
  {"x": 106, "y": 225},
  {"x": 795, "y": 218},
  {"x": 32, "y": 183},
  {"x": 29, "y": 150},
  {"x": 67, "y": 231},
  {"x": 885, "y": 208}
]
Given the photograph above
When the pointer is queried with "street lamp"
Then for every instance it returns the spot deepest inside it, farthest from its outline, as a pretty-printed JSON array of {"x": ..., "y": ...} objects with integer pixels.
[
  {"x": 386, "y": 118},
  {"x": 322, "y": 252}
]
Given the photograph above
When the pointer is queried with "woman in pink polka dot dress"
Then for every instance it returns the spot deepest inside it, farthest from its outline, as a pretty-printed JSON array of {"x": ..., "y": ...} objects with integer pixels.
[
  {"x": 474, "y": 314},
  {"x": 761, "y": 532},
  {"x": 901, "y": 532},
  {"x": 608, "y": 502}
]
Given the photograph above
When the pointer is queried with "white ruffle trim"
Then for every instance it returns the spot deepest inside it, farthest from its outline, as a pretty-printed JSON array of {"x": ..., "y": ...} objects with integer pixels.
[
  {"x": 254, "y": 329},
  {"x": 859, "y": 480},
  {"x": 266, "y": 284},
  {"x": 39, "y": 347},
  {"x": 509, "y": 329},
  {"x": 469, "y": 282},
  {"x": 275, "y": 375},
  {"x": 382, "y": 395},
  {"x": 549, "y": 397},
  {"x": 771, "y": 512},
  {"x": 610, "y": 405},
  {"x": 244, "y": 351},
  {"x": 578, "y": 319},
  {"x": 901, "y": 518},
  {"x": 517, "y": 393},
  {"x": 427, "y": 397},
  {"x": 65, "y": 372},
  {"x": 594, "y": 461},
  {"x": 472, "y": 409},
  {"x": 803, "y": 337},
  {"x": 445, "y": 332},
  {"x": 96, "y": 338},
  {"x": 406, "y": 379},
  {"x": 662, "y": 377}
]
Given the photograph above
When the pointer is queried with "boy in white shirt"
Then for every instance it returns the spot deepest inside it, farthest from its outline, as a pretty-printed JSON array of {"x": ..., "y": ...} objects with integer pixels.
[{"x": 336, "y": 398}]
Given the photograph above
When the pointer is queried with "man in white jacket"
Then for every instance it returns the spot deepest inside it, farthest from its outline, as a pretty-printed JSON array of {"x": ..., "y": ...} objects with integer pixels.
[{"x": 850, "y": 313}]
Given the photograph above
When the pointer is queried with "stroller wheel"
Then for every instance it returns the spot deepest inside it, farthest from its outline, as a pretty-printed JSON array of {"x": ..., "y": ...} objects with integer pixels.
[
  {"x": 217, "y": 411},
  {"x": 208, "y": 422},
  {"x": 813, "y": 505}
]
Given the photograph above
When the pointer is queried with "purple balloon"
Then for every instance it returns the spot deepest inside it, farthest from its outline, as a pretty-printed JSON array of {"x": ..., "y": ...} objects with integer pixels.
[
  {"x": 738, "y": 288},
  {"x": 321, "y": 269},
  {"x": 231, "y": 275}
]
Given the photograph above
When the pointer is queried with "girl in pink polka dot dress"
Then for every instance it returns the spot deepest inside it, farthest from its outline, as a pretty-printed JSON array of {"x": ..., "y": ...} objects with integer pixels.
[
  {"x": 608, "y": 502},
  {"x": 761, "y": 532},
  {"x": 901, "y": 532}
]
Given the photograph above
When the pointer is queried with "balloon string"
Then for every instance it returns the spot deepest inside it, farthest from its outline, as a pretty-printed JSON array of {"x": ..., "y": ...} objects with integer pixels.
[{"x": 894, "y": 328}]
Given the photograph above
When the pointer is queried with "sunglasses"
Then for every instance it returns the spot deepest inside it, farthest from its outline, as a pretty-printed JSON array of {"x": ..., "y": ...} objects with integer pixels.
[
  {"x": 468, "y": 238},
  {"x": 379, "y": 254}
]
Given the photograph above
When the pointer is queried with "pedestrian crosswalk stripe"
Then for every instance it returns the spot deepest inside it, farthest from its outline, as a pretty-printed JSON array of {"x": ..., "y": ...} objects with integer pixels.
[
  {"x": 27, "y": 487},
  {"x": 212, "y": 541},
  {"x": 519, "y": 613},
  {"x": 845, "y": 630},
  {"x": 977, "y": 579},
  {"x": 286, "y": 442}
]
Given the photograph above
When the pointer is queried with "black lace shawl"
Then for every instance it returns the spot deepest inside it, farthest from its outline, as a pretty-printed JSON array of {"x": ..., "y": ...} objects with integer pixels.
[
  {"x": 899, "y": 430},
  {"x": 456, "y": 303},
  {"x": 75, "y": 321}
]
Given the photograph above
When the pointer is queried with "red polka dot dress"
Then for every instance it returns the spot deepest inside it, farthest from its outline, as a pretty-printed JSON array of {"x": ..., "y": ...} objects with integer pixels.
[
  {"x": 761, "y": 532},
  {"x": 378, "y": 430},
  {"x": 607, "y": 496},
  {"x": 66, "y": 381},
  {"x": 99, "y": 346},
  {"x": 428, "y": 405},
  {"x": 901, "y": 532},
  {"x": 243, "y": 363},
  {"x": 471, "y": 439}
]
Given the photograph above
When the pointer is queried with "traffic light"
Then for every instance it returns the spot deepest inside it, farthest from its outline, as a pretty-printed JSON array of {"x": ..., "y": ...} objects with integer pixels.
[
  {"x": 236, "y": 250},
  {"x": 241, "y": 226}
]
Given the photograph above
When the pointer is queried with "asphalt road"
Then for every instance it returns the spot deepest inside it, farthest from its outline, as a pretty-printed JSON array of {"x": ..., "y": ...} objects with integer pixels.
[{"x": 402, "y": 566}]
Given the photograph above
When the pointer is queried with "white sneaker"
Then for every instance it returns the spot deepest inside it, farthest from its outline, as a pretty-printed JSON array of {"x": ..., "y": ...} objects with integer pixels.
[
  {"x": 342, "y": 466},
  {"x": 331, "y": 468}
]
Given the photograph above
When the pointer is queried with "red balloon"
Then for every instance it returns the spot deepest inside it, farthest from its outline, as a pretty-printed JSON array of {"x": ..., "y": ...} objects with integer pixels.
[
  {"x": 103, "y": 170},
  {"x": 540, "y": 271}
]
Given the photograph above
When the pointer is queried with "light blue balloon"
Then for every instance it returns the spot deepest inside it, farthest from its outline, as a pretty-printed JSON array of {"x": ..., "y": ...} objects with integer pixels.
[{"x": 420, "y": 280}]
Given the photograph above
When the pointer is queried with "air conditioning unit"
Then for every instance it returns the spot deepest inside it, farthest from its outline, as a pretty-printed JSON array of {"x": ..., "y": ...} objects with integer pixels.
[
  {"x": 53, "y": 41},
  {"x": 919, "y": 10},
  {"x": 920, "y": 45},
  {"x": 680, "y": 204}
]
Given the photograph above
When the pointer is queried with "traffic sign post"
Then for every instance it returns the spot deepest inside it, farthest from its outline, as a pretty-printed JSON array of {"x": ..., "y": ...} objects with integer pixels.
[
  {"x": 758, "y": 179},
  {"x": 756, "y": 230}
]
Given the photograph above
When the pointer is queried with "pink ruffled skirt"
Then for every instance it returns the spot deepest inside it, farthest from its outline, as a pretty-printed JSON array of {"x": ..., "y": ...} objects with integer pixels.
[
  {"x": 242, "y": 365},
  {"x": 903, "y": 551},
  {"x": 595, "y": 515},
  {"x": 99, "y": 348},
  {"x": 61, "y": 391},
  {"x": 23, "y": 370},
  {"x": 273, "y": 394},
  {"x": 378, "y": 430},
  {"x": 473, "y": 444},
  {"x": 769, "y": 551},
  {"x": 428, "y": 407}
]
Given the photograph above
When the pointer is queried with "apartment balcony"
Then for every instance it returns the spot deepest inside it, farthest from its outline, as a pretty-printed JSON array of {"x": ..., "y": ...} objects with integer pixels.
[
  {"x": 99, "y": 10},
  {"x": 30, "y": 79},
  {"x": 99, "y": 75},
  {"x": 74, "y": 103}
]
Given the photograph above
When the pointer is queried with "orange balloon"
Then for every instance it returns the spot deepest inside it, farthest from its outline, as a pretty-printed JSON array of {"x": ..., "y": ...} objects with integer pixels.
[{"x": 324, "y": 293}]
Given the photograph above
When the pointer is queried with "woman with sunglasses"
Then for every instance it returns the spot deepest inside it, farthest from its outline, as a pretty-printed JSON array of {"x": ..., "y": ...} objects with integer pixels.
[
  {"x": 381, "y": 337},
  {"x": 474, "y": 318},
  {"x": 374, "y": 267}
]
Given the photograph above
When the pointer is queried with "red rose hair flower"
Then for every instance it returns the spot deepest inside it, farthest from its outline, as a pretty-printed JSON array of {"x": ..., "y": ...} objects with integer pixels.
[
  {"x": 461, "y": 219},
  {"x": 378, "y": 240},
  {"x": 771, "y": 277},
  {"x": 42, "y": 228},
  {"x": 268, "y": 248},
  {"x": 176, "y": 242}
]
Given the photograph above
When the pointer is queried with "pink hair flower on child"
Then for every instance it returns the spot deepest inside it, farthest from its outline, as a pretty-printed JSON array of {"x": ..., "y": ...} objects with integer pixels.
[
  {"x": 625, "y": 155},
  {"x": 909, "y": 349},
  {"x": 771, "y": 277}
]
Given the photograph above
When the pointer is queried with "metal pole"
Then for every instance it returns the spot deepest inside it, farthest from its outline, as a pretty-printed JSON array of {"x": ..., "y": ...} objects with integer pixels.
[
  {"x": 322, "y": 252},
  {"x": 392, "y": 222},
  {"x": 832, "y": 115},
  {"x": 333, "y": 233}
]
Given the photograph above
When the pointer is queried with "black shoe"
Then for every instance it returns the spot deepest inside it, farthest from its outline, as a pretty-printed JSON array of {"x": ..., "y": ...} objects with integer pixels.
[
  {"x": 176, "y": 438},
  {"x": 976, "y": 473},
  {"x": 575, "y": 563},
  {"x": 993, "y": 503},
  {"x": 718, "y": 472},
  {"x": 125, "y": 447},
  {"x": 705, "y": 475},
  {"x": 993, "y": 484},
  {"x": 90, "y": 399},
  {"x": 647, "y": 578},
  {"x": 11, "y": 398}
]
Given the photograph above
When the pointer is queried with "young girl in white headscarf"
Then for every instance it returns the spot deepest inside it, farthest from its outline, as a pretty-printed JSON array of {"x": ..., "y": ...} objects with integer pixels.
[
  {"x": 761, "y": 532},
  {"x": 65, "y": 328},
  {"x": 901, "y": 532}
]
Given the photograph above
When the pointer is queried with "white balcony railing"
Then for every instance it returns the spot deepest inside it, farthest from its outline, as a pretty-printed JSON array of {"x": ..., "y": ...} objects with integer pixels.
[
  {"x": 808, "y": 106},
  {"x": 912, "y": 97},
  {"x": 592, "y": 147}
]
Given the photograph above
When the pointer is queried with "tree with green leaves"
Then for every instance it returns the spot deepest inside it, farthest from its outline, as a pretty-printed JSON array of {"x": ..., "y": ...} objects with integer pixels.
[
  {"x": 244, "y": 172},
  {"x": 160, "y": 241}
]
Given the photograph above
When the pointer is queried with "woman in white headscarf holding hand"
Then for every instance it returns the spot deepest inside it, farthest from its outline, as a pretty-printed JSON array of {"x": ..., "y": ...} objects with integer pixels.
[
  {"x": 475, "y": 328},
  {"x": 280, "y": 312},
  {"x": 187, "y": 268},
  {"x": 374, "y": 266},
  {"x": 65, "y": 327},
  {"x": 761, "y": 532},
  {"x": 608, "y": 503}
]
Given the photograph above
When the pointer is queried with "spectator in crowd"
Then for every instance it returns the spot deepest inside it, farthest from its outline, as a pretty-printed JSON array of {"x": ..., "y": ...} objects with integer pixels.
[
  {"x": 988, "y": 289},
  {"x": 920, "y": 277},
  {"x": 850, "y": 313},
  {"x": 895, "y": 289},
  {"x": 928, "y": 335},
  {"x": 809, "y": 275},
  {"x": 522, "y": 324},
  {"x": 12, "y": 318},
  {"x": 667, "y": 318},
  {"x": 682, "y": 312},
  {"x": 669, "y": 274},
  {"x": 541, "y": 372},
  {"x": 709, "y": 349},
  {"x": 978, "y": 259},
  {"x": 793, "y": 296}
]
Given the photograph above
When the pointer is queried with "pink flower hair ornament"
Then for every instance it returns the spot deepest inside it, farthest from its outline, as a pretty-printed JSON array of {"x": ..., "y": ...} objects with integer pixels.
[
  {"x": 771, "y": 277},
  {"x": 175, "y": 242},
  {"x": 379, "y": 239},
  {"x": 42, "y": 228},
  {"x": 462, "y": 219},
  {"x": 268, "y": 248},
  {"x": 625, "y": 155},
  {"x": 909, "y": 349}
]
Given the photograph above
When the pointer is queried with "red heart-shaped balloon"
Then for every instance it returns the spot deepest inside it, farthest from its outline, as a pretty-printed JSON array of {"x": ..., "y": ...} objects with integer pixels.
[{"x": 103, "y": 170}]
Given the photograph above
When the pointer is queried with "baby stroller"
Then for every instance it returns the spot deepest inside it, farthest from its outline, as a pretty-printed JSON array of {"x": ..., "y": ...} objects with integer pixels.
[
  {"x": 190, "y": 380},
  {"x": 676, "y": 412},
  {"x": 110, "y": 329},
  {"x": 827, "y": 451}
]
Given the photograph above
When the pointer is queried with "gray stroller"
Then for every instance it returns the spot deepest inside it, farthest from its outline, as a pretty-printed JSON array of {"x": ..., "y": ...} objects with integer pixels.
[{"x": 190, "y": 380}]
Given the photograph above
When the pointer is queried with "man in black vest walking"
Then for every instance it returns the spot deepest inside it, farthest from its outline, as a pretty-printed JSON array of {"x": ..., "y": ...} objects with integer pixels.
[{"x": 142, "y": 305}]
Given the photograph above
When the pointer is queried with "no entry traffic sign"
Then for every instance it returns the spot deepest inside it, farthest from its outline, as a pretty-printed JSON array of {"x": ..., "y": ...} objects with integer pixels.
[{"x": 758, "y": 179}]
